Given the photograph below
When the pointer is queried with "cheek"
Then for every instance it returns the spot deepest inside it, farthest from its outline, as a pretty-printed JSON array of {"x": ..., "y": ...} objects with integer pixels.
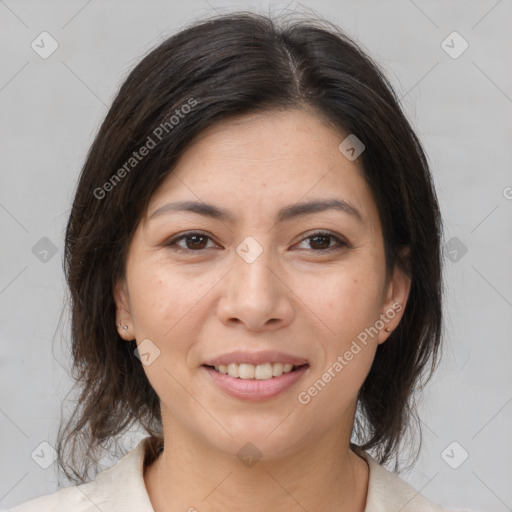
[
  {"x": 347, "y": 306},
  {"x": 165, "y": 308},
  {"x": 345, "y": 301},
  {"x": 162, "y": 300}
]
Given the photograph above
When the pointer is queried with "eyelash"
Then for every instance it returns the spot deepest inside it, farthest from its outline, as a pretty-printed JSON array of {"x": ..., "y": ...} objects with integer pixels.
[{"x": 340, "y": 243}]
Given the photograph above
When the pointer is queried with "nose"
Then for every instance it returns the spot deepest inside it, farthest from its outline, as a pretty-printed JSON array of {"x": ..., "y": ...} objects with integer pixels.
[{"x": 255, "y": 296}]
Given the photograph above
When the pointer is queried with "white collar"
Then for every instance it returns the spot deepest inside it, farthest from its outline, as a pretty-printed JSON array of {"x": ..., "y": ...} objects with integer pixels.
[{"x": 122, "y": 488}]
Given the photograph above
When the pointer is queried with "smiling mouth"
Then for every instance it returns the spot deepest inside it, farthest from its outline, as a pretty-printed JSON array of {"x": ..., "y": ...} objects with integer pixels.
[{"x": 265, "y": 371}]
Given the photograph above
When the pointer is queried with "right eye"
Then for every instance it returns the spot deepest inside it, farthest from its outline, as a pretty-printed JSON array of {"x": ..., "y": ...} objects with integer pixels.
[{"x": 192, "y": 241}]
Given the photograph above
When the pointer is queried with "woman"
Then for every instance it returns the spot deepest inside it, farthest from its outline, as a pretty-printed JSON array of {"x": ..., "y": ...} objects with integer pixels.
[{"x": 253, "y": 256}]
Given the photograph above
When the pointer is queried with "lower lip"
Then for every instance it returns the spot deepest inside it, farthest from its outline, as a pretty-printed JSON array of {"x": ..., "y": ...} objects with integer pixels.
[{"x": 254, "y": 389}]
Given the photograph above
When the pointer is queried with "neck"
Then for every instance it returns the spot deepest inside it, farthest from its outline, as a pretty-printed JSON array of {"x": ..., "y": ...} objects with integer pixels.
[{"x": 194, "y": 476}]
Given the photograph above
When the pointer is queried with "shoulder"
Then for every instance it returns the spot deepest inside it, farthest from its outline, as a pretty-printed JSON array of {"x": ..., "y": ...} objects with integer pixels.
[
  {"x": 120, "y": 487},
  {"x": 69, "y": 498},
  {"x": 387, "y": 492}
]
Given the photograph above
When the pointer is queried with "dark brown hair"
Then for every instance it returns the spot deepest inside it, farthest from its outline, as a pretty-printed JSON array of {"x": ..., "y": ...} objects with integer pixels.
[{"x": 227, "y": 66}]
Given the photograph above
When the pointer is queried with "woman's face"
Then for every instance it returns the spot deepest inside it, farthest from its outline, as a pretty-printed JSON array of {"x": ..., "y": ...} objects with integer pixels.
[{"x": 239, "y": 260}]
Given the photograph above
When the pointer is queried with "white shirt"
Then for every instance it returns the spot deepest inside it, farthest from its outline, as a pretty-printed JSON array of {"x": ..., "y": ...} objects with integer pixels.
[{"x": 121, "y": 488}]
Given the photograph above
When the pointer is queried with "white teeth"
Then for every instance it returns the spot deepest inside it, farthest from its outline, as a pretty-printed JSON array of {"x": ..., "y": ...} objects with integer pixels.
[
  {"x": 263, "y": 371},
  {"x": 233, "y": 370},
  {"x": 249, "y": 371},
  {"x": 246, "y": 371},
  {"x": 277, "y": 369}
]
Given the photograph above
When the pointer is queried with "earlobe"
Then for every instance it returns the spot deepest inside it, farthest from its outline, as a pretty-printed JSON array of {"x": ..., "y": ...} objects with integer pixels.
[
  {"x": 123, "y": 311},
  {"x": 394, "y": 304}
]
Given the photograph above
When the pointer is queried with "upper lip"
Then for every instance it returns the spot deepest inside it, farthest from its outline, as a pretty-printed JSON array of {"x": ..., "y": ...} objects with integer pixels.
[{"x": 255, "y": 358}]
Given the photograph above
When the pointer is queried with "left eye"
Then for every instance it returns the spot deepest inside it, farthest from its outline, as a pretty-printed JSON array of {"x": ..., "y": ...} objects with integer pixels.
[{"x": 321, "y": 241}]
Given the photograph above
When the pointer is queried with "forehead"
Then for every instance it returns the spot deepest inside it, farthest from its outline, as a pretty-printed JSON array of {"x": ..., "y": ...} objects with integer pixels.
[{"x": 257, "y": 163}]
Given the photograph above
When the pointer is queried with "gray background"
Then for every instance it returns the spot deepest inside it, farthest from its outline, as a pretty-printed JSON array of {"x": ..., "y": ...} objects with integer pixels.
[{"x": 461, "y": 108}]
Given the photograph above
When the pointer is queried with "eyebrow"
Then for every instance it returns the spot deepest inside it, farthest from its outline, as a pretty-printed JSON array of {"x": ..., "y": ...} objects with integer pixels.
[{"x": 287, "y": 213}]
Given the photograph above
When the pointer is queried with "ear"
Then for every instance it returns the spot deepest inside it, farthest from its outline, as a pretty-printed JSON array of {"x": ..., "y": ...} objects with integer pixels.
[
  {"x": 124, "y": 320},
  {"x": 395, "y": 300}
]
